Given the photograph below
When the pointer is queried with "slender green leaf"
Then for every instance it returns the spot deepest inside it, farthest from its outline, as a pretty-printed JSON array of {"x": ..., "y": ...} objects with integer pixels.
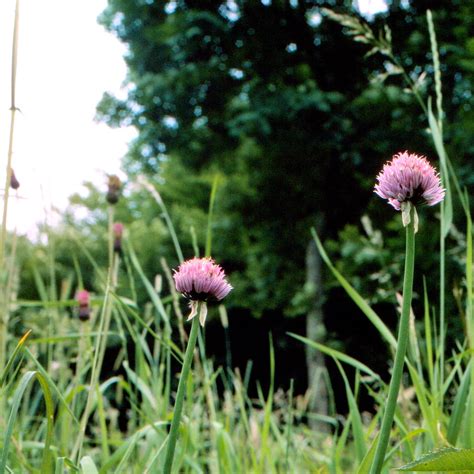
[
  {"x": 459, "y": 406},
  {"x": 364, "y": 466},
  {"x": 355, "y": 296},
  {"x": 14, "y": 356},
  {"x": 336, "y": 355},
  {"x": 443, "y": 460},
  {"x": 88, "y": 466},
  {"x": 356, "y": 419},
  {"x": 47, "y": 464}
]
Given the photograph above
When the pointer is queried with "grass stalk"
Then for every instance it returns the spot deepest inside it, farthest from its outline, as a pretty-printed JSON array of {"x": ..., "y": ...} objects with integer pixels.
[
  {"x": 402, "y": 342},
  {"x": 3, "y": 231},
  {"x": 101, "y": 341},
  {"x": 178, "y": 407}
]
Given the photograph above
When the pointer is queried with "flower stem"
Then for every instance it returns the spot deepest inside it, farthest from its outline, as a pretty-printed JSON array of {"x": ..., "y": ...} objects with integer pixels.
[
  {"x": 403, "y": 336},
  {"x": 178, "y": 407}
]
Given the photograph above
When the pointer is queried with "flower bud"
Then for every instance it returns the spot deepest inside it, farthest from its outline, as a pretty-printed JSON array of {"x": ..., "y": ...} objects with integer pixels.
[
  {"x": 83, "y": 301},
  {"x": 14, "y": 183},
  {"x": 118, "y": 233},
  {"x": 114, "y": 187}
]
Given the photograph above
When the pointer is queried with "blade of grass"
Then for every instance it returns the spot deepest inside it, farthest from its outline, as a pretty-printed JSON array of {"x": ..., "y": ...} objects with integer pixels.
[
  {"x": 459, "y": 406},
  {"x": 356, "y": 419},
  {"x": 14, "y": 356},
  {"x": 358, "y": 299},
  {"x": 337, "y": 355},
  {"x": 47, "y": 462},
  {"x": 212, "y": 199}
]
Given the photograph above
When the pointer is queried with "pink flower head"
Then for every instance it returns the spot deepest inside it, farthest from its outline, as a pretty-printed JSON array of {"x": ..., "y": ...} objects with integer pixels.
[
  {"x": 83, "y": 298},
  {"x": 409, "y": 178},
  {"x": 118, "y": 230},
  {"x": 200, "y": 279}
]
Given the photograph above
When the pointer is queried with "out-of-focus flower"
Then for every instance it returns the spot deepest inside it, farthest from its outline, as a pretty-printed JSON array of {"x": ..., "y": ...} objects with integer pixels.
[
  {"x": 201, "y": 280},
  {"x": 118, "y": 233},
  {"x": 83, "y": 300},
  {"x": 14, "y": 183},
  {"x": 409, "y": 178},
  {"x": 113, "y": 191}
]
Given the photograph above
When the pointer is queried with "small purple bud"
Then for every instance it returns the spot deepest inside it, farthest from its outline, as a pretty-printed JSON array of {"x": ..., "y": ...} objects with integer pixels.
[
  {"x": 14, "y": 183},
  {"x": 118, "y": 233}
]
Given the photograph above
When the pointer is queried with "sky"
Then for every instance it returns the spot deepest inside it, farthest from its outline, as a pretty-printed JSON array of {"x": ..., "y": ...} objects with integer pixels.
[{"x": 66, "y": 61}]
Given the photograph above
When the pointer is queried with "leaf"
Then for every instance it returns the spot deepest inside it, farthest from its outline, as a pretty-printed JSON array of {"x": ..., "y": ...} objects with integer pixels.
[
  {"x": 88, "y": 466},
  {"x": 443, "y": 160},
  {"x": 459, "y": 407},
  {"x": 46, "y": 465},
  {"x": 364, "y": 466},
  {"x": 443, "y": 460},
  {"x": 13, "y": 357},
  {"x": 337, "y": 355},
  {"x": 355, "y": 416},
  {"x": 355, "y": 296}
]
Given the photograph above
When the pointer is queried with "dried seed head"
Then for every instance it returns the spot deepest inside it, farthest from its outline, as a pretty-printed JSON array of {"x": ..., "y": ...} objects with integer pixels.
[
  {"x": 113, "y": 191},
  {"x": 14, "y": 183}
]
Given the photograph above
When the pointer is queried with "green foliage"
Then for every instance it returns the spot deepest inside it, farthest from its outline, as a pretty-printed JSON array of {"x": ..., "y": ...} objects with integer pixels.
[{"x": 443, "y": 460}]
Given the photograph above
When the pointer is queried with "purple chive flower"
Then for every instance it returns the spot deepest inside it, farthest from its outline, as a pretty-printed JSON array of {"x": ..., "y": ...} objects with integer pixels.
[
  {"x": 83, "y": 300},
  {"x": 201, "y": 280},
  {"x": 409, "y": 178}
]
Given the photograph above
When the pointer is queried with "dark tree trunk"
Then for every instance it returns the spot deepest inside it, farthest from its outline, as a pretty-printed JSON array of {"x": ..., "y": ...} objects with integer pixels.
[{"x": 315, "y": 330}]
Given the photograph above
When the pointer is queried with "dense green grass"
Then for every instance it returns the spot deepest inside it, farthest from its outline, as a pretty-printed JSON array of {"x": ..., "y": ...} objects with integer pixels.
[{"x": 60, "y": 411}]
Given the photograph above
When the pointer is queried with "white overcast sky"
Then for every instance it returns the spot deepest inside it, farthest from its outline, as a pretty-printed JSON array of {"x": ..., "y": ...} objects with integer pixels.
[{"x": 65, "y": 63}]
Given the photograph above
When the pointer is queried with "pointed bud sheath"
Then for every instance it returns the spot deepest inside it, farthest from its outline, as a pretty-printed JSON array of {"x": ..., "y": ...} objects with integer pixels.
[
  {"x": 83, "y": 301},
  {"x": 408, "y": 180},
  {"x": 118, "y": 233},
  {"x": 113, "y": 192},
  {"x": 14, "y": 183},
  {"x": 200, "y": 280}
]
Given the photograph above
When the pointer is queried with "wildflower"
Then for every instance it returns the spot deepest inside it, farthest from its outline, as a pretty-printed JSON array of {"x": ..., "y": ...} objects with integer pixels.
[
  {"x": 409, "y": 180},
  {"x": 118, "y": 233},
  {"x": 83, "y": 300},
  {"x": 201, "y": 280},
  {"x": 14, "y": 183},
  {"x": 113, "y": 192}
]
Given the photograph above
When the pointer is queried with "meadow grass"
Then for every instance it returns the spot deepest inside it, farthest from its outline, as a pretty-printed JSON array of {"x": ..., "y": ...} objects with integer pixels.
[{"x": 61, "y": 412}]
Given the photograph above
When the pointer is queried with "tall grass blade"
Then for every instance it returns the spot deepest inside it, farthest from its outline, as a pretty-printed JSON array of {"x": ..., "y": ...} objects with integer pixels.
[
  {"x": 355, "y": 296},
  {"x": 340, "y": 356},
  {"x": 356, "y": 419},
  {"x": 444, "y": 460},
  {"x": 47, "y": 464},
  {"x": 14, "y": 356}
]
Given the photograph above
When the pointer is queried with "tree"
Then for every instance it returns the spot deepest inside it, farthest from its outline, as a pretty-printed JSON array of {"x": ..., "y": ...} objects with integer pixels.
[{"x": 275, "y": 100}]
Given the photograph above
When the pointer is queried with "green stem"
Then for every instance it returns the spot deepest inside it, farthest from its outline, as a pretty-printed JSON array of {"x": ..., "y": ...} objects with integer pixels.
[
  {"x": 403, "y": 336},
  {"x": 178, "y": 407},
  {"x": 101, "y": 341}
]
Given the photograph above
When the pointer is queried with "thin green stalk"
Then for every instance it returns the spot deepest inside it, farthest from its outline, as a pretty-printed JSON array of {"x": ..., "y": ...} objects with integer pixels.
[
  {"x": 101, "y": 343},
  {"x": 469, "y": 320},
  {"x": 403, "y": 335},
  {"x": 178, "y": 407},
  {"x": 13, "y": 109},
  {"x": 3, "y": 230}
]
